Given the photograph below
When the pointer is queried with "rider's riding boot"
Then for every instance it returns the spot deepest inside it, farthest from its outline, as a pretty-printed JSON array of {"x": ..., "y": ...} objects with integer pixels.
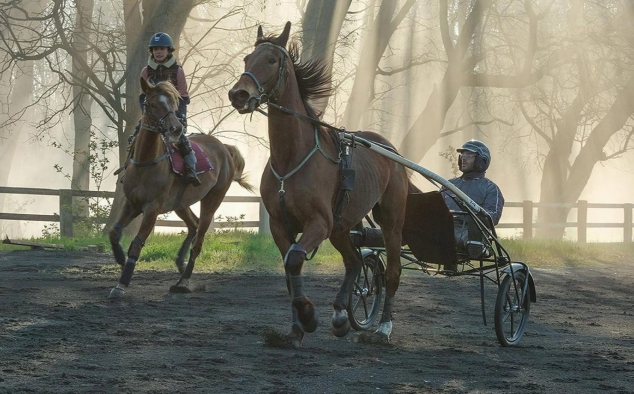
[{"x": 190, "y": 160}]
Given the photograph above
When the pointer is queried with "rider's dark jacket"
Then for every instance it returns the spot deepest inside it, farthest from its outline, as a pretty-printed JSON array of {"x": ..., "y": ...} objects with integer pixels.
[{"x": 480, "y": 189}]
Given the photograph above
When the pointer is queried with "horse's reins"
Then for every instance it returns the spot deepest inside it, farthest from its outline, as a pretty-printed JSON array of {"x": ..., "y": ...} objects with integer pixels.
[
  {"x": 317, "y": 147},
  {"x": 159, "y": 129}
]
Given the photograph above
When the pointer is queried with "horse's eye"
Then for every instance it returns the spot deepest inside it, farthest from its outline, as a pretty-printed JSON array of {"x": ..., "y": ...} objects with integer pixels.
[{"x": 272, "y": 60}]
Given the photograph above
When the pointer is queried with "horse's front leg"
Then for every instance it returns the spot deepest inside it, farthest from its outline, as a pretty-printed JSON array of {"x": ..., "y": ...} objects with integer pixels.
[
  {"x": 302, "y": 307},
  {"x": 352, "y": 263},
  {"x": 127, "y": 215},
  {"x": 134, "y": 252}
]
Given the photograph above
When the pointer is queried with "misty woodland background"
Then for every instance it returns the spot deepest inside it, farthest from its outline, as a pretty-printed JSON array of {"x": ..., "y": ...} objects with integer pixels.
[{"x": 547, "y": 84}]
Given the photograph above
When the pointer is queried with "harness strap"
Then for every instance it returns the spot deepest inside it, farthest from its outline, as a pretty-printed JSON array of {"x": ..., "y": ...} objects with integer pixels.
[
  {"x": 281, "y": 179},
  {"x": 316, "y": 148},
  {"x": 347, "y": 179}
]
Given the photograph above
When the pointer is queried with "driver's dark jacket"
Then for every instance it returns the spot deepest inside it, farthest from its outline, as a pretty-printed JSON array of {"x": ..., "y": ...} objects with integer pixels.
[{"x": 480, "y": 189}]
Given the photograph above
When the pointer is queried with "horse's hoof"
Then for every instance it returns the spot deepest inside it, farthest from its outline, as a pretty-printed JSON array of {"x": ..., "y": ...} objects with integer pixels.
[
  {"x": 180, "y": 289},
  {"x": 340, "y": 323},
  {"x": 306, "y": 314},
  {"x": 116, "y": 293},
  {"x": 292, "y": 340},
  {"x": 181, "y": 267}
]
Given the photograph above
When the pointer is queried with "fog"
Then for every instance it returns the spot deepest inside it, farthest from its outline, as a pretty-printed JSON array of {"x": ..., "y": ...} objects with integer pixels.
[{"x": 517, "y": 157}]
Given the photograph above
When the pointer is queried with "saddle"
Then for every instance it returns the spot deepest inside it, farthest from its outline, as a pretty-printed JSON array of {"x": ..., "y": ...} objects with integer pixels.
[{"x": 178, "y": 163}]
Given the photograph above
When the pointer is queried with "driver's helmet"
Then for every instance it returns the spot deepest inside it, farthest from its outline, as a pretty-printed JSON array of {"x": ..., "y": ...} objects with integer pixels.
[
  {"x": 161, "y": 40},
  {"x": 483, "y": 158}
]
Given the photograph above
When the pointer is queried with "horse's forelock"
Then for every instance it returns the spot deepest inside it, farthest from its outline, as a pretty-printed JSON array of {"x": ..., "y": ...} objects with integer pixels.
[{"x": 167, "y": 88}]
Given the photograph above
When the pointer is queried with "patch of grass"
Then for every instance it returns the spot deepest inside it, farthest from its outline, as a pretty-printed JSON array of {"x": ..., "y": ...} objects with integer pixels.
[
  {"x": 554, "y": 253},
  {"x": 238, "y": 251}
]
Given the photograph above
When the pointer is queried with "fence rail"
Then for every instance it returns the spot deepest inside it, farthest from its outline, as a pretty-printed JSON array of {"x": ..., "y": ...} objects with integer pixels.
[
  {"x": 528, "y": 224},
  {"x": 65, "y": 218}
]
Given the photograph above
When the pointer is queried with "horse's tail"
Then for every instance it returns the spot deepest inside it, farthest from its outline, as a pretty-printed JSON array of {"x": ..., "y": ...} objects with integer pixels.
[{"x": 238, "y": 165}]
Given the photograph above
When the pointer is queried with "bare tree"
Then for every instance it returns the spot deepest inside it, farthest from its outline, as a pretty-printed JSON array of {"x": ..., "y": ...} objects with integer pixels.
[{"x": 16, "y": 85}]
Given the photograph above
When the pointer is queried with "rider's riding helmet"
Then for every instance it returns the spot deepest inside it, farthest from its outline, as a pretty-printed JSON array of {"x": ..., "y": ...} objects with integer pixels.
[
  {"x": 483, "y": 155},
  {"x": 161, "y": 40}
]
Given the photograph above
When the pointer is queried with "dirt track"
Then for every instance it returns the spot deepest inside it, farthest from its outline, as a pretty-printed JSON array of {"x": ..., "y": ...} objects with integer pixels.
[{"x": 60, "y": 334}]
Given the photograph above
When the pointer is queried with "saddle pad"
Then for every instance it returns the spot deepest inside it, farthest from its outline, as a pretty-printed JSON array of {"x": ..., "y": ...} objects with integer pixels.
[{"x": 178, "y": 163}]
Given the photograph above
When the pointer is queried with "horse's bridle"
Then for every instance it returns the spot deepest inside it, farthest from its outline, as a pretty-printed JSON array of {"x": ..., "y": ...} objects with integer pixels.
[
  {"x": 159, "y": 128},
  {"x": 271, "y": 95},
  {"x": 159, "y": 123}
]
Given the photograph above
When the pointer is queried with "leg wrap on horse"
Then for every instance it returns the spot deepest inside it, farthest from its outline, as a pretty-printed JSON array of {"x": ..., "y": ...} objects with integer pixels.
[
  {"x": 297, "y": 286},
  {"x": 294, "y": 259},
  {"x": 293, "y": 262},
  {"x": 128, "y": 270}
]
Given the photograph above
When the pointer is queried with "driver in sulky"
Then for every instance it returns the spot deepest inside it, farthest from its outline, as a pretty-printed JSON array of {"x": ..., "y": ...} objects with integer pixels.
[{"x": 473, "y": 161}]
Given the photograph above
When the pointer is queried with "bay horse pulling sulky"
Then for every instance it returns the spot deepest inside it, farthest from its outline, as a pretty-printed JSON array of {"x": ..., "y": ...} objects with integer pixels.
[
  {"x": 152, "y": 187},
  {"x": 311, "y": 184}
]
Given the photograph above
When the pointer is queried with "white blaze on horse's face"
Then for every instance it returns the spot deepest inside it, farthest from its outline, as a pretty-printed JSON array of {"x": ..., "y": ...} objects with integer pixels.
[
  {"x": 262, "y": 69},
  {"x": 162, "y": 111}
]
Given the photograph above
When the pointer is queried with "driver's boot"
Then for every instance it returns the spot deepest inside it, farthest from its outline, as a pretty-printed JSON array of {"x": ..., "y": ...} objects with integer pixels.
[{"x": 189, "y": 156}]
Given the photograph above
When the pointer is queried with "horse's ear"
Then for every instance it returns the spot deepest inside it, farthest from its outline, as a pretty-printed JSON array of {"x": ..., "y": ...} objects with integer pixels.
[
  {"x": 283, "y": 38},
  {"x": 144, "y": 85},
  {"x": 260, "y": 33}
]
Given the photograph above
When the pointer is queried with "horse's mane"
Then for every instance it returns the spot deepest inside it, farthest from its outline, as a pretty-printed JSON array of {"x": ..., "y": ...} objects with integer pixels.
[
  {"x": 314, "y": 78},
  {"x": 167, "y": 88}
]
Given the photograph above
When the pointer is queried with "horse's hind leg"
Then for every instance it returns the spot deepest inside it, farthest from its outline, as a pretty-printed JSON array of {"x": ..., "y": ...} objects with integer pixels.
[
  {"x": 191, "y": 220},
  {"x": 352, "y": 262},
  {"x": 208, "y": 207}
]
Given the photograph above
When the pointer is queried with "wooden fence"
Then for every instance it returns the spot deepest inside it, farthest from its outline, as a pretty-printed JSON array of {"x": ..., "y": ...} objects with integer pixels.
[{"x": 65, "y": 218}]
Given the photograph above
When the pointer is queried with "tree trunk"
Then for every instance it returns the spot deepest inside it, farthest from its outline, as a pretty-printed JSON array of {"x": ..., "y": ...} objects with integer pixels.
[
  {"x": 563, "y": 184},
  {"x": 376, "y": 40},
  {"x": 142, "y": 20},
  {"x": 82, "y": 108},
  {"x": 17, "y": 98},
  {"x": 425, "y": 130}
]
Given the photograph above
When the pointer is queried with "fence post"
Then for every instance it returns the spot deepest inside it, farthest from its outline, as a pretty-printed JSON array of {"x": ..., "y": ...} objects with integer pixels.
[
  {"x": 527, "y": 220},
  {"x": 66, "y": 213},
  {"x": 627, "y": 222},
  {"x": 582, "y": 221},
  {"x": 263, "y": 227}
]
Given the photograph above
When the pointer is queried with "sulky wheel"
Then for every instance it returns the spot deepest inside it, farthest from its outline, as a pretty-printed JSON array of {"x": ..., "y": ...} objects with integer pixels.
[
  {"x": 512, "y": 308},
  {"x": 367, "y": 293}
]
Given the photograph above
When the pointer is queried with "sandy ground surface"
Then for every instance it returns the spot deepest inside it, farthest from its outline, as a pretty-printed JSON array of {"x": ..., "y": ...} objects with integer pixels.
[{"x": 59, "y": 333}]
